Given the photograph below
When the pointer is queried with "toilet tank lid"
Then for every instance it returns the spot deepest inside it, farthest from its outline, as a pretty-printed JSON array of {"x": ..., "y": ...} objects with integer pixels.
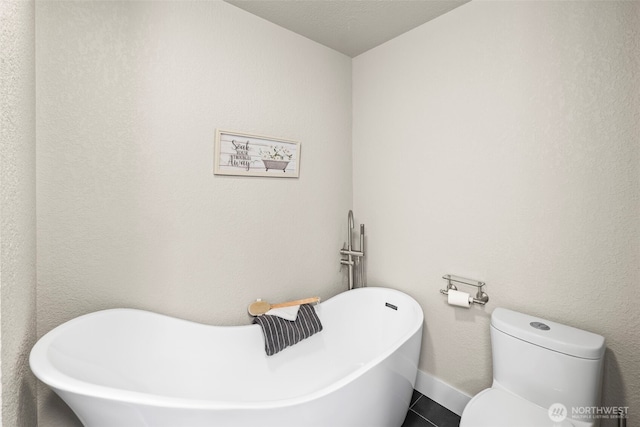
[{"x": 545, "y": 333}]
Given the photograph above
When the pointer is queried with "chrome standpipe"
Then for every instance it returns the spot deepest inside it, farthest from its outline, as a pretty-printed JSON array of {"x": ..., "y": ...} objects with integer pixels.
[{"x": 352, "y": 256}]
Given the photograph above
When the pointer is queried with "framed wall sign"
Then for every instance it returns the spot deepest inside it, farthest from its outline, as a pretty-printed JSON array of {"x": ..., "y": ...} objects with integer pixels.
[{"x": 254, "y": 155}]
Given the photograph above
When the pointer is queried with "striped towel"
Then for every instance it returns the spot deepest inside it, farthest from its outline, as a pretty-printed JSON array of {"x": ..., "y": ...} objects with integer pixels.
[{"x": 280, "y": 333}]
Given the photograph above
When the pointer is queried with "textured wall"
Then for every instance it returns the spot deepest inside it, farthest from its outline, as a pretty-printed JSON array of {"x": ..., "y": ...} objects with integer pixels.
[
  {"x": 129, "y": 211},
  {"x": 17, "y": 211},
  {"x": 501, "y": 142}
]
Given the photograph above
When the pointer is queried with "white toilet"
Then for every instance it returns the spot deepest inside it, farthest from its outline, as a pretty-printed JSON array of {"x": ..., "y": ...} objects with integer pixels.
[{"x": 544, "y": 374}]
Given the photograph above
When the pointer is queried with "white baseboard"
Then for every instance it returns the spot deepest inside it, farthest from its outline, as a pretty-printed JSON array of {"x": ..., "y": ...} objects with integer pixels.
[{"x": 441, "y": 392}]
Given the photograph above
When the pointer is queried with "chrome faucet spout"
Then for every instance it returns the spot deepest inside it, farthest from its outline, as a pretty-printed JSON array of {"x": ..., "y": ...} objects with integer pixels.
[{"x": 353, "y": 256}]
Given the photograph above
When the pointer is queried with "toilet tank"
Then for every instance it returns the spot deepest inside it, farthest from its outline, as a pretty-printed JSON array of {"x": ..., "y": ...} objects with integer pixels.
[{"x": 546, "y": 362}]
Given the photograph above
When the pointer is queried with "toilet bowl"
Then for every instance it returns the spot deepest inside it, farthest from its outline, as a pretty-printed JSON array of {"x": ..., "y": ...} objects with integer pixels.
[
  {"x": 493, "y": 407},
  {"x": 543, "y": 373}
]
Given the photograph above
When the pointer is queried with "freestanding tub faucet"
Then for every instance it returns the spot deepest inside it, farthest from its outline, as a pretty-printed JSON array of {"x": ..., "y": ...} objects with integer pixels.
[{"x": 353, "y": 256}]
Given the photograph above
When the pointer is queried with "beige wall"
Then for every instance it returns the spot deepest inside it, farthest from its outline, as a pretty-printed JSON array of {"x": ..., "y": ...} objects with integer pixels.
[
  {"x": 17, "y": 211},
  {"x": 129, "y": 212},
  {"x": 501, "y": 142}
]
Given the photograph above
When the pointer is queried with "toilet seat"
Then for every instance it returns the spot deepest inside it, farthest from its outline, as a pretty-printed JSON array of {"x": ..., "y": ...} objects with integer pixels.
[{"x": 493, "y": 407}]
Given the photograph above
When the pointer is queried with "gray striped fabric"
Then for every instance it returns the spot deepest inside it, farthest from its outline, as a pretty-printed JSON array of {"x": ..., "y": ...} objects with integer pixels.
[{"x": 280, "y": 333}]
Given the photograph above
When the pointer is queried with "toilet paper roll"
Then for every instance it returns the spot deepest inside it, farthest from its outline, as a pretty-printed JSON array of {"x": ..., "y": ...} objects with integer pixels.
[{"x": 460, "y": 299}]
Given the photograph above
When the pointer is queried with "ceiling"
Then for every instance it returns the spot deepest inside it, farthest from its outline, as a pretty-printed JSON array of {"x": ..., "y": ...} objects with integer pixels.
[{"x": 348, "y": 26}]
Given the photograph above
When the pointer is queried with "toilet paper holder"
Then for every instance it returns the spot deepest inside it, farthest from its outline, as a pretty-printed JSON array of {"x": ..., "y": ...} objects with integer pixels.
[{"x": 480, "y": 298}]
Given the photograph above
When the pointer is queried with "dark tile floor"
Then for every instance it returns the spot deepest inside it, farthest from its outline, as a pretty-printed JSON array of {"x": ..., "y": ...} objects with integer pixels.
[{"x": 424, "y": 412}]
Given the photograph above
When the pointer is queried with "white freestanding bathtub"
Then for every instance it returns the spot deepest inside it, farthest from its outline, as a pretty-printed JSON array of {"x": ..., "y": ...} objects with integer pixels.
[{"x": 130, "y": 368}]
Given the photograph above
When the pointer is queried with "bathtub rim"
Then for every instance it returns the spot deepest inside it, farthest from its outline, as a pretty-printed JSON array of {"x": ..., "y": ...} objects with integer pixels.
[{"x": 46, "y": 372}]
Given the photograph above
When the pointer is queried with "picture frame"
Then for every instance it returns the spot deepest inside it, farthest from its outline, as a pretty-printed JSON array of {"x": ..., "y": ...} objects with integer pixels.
[{"x": 245, "y": 154}]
